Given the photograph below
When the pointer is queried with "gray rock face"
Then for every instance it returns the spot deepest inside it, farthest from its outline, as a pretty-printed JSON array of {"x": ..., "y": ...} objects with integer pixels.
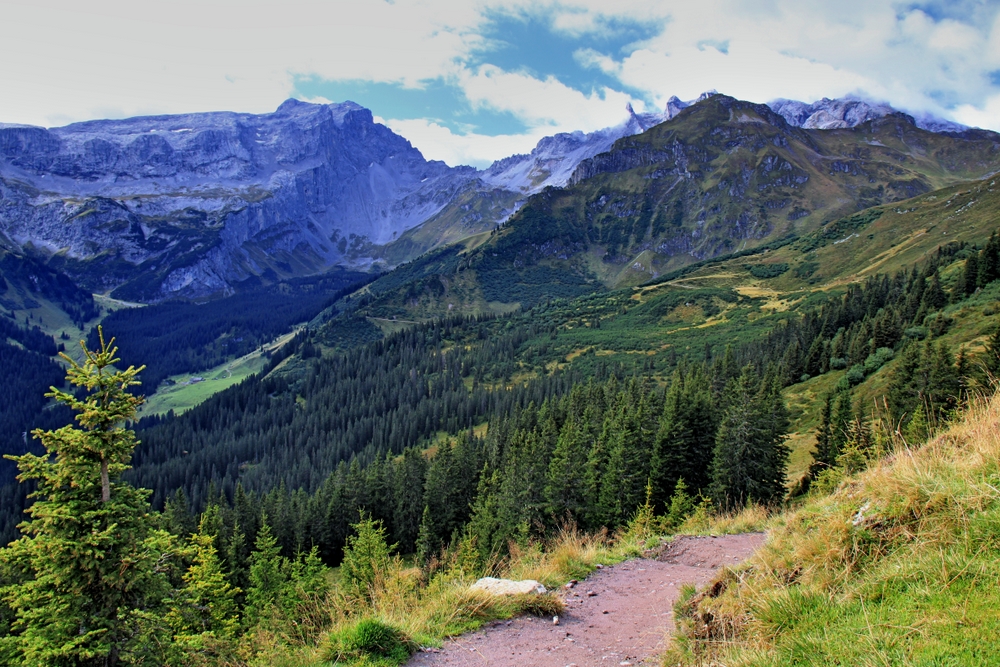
[
  {"x": 190, "y": 205},
  {"x": 553, "y": 160},
  {"x": 828, "y": 114}
]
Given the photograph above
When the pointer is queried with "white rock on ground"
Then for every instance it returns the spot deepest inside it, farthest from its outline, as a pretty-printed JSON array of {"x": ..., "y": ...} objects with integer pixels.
[{"x": 508, "y": 586}]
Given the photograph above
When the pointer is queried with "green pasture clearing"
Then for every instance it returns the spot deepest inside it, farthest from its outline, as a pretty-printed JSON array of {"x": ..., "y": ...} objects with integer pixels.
[{"x": 186, "y": 392}]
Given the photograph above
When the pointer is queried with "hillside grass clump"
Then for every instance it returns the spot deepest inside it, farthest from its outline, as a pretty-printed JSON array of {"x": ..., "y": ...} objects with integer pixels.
[
  {"x": 898, "y": 566},
  {"x": 368, "y": 641},
  {"x": 401, "y": 608}
]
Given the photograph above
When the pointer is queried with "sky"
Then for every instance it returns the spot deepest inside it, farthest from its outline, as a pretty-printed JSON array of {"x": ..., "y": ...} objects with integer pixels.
[{"x": 471, "y": 81}]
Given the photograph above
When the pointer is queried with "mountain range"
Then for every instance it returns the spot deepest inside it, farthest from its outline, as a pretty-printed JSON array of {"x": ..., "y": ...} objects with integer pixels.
[
  {"x": 195, "y": 205},
  {"x": 722, "y": 176}
]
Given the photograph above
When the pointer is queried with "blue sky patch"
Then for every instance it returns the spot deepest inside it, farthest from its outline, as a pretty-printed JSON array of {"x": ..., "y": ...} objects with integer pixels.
[
  {"x": 514, "y": 43},
  {"x": 529, "y": 44},
  {"x": 438, "y": 101}
]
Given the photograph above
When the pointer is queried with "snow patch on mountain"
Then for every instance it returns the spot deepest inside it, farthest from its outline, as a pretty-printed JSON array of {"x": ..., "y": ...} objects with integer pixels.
[{"x": 832, "y": 114}]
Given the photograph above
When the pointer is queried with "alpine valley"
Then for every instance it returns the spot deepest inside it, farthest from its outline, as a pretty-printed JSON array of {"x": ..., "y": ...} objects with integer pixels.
[{"x": 347, "y": 346}]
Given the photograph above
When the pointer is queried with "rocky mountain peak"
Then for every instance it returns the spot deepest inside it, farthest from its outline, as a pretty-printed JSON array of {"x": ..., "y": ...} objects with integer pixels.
[
  {"x": 851, "y": 111},
  {"x": 198, "y": 202}
]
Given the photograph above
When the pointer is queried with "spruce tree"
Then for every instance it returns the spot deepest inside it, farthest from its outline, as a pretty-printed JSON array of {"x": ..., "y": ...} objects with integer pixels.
[
  {"x": 367, "y": 558},
  {"x": 409, "y": 498},
  {"x": 563, "y": 492},
  {"x": 991, "y": 357},
  {"x": 934, "y": 296},
  {"x": 943, "y": 384},
  {"x": 750, "y": 454},
  {"x": 203, "y": 616},
  {"x": 268, "y": 575},
  {"x": 969, "y": 280},
  {"x": 623, "y": 486},
  {"x": 685, "y": 439},
  {"x": 905, "y": 389},
  {"x": 825, "y": 455},
  {"x": 426, "y": 544},
  {"x": 989, "y": 261},
  {"x": 177, "y": 513},
  {"x": 93, "y": 587}
]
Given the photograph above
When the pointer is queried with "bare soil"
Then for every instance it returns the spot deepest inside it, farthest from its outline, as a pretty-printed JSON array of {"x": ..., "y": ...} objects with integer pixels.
[{"x": 621, "y": 615}]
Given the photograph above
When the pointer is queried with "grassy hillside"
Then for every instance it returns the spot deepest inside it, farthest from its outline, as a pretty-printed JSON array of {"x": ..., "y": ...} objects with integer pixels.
[
  {"x": 898, "y": 567},
  {"x": 470, "y": 213},
  {"x": 722, "y": 177},
  {"x": 731, "y": 298}
]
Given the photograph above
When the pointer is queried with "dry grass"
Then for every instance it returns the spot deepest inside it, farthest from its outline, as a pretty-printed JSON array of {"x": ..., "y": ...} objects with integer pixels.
[
  {"x": 752, "y": 519},
  {"x": 425, "y": 612},
  {"x": 898, "y": 566}
]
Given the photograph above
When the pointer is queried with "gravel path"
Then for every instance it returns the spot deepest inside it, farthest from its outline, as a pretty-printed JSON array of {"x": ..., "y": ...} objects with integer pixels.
[{"x": 620, "y": 615}]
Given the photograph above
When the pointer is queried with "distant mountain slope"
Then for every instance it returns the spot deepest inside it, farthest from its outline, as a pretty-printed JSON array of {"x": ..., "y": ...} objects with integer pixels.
[
  {"x": 721, "y": 176},
  {"x": 190, "y": 205},
  {"x": 194, "y": 204},
  {"x": 500, "y": 189},
  {"x": 827, "y": 114}
]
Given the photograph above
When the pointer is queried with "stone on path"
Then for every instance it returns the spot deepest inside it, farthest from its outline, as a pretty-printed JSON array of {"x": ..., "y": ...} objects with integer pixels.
[{"x": 508, "y": 586}]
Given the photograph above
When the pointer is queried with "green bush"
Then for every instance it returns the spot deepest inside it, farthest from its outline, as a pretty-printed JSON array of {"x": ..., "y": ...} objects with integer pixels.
[
  {"x": 767, "y": 270},
  {"x": 371, "y": 640},
  {"x": 855, "y": 374},
  {"x": 880, "y": 358}
]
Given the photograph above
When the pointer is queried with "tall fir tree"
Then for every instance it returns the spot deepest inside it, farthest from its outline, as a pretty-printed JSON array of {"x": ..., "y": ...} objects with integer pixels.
[
  {"x": 268, "y": 576},
  {"x": 750, "y": 454},
  {"x": 92, "y": 588},
  {"x": 623, "y": 486},
  {"x": 564, "y": 494},
  {"x": 989, "y": 262},
  {"x": 203, "y": 615},
  {"x": 825, "y": 454},
  {"x": 685, "y": 438}
]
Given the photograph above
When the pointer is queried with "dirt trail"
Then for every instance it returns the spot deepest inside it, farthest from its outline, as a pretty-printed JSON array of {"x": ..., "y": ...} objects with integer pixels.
[{"x": 626, "y": 621}]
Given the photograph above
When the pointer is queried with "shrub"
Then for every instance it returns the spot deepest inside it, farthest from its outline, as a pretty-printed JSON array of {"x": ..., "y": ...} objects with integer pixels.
[
  {"x": 767, "y": 270},
  {"x": 368, "y": 638},
  {"x": 875, "y": 361},
  {"x": 855, "y": 374}
]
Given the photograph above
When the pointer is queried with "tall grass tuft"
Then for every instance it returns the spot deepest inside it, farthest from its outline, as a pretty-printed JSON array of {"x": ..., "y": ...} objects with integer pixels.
[{"x": 899, "y": 565}]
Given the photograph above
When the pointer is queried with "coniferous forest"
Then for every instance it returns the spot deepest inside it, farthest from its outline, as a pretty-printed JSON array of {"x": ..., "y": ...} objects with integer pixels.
[{"x": 432, "y": 442}]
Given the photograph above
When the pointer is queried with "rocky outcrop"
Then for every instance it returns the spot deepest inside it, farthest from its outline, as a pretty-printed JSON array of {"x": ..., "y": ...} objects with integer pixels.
[
  {"x": 827, "y": 114},
  {"x": 192, "y": 204},
  {"x": 553, "y": 160}
]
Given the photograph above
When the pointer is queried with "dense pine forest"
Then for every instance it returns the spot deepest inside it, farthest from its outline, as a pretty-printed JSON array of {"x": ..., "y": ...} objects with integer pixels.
[
  {"x": 454, "y": 442},
  {"x": 182, "y": 337}
]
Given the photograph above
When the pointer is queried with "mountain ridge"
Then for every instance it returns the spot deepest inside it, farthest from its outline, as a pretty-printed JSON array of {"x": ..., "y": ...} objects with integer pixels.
[
  {"x": 193, "y": 205},
  {"x": 723, "y": 176}
]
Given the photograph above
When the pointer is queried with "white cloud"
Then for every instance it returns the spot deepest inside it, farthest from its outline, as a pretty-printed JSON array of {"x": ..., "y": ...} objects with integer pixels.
[
  {"x": 545, "y": 102},
  {"x": 71, "y": 61},
  {"x": 986, "y": 115},
  {"x": 546, "y": 107},
  {"x": 68, "y": 61},
  {"x": 811, "y": 49},
  {"x": 748, "y": 71},
  {"x": 440, "y": 143}
]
